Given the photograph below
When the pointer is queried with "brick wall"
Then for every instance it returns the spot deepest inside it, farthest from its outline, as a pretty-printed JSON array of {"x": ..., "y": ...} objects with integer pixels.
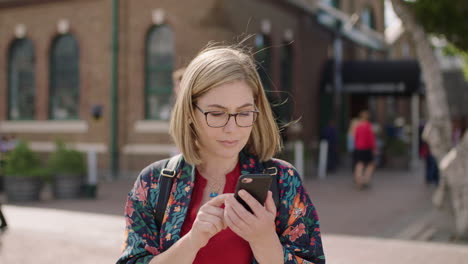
[
  {"x": 194, "y": 24},
  {"x": 89, "y": 23}
]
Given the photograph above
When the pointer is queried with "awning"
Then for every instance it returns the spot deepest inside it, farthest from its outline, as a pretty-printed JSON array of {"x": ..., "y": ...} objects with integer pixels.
[{"x": 372, "y": 77}]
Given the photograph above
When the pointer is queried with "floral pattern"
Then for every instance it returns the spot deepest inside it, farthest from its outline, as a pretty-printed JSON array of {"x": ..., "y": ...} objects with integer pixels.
[{"x": 297, "y": 223}]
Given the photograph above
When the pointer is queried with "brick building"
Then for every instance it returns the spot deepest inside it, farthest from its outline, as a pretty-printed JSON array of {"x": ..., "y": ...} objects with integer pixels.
[{"x": 57, "y": 59}]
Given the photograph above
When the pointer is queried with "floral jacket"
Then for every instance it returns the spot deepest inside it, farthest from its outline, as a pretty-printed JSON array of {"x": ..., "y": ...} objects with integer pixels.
[{"x": 297, "y": 223}]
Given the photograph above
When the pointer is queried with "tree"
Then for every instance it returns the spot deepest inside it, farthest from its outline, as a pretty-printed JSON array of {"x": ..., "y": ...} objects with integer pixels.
[{"x": 445, "y": 18}]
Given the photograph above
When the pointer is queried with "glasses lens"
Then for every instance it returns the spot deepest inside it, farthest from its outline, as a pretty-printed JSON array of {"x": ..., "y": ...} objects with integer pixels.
[
  {"x": 216, "y": 119},
  {"x": 246, "y": 118}
]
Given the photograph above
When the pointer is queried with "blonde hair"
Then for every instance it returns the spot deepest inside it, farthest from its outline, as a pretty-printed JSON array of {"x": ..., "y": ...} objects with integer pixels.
[
  {"x": 177, "y": 75},
  {"x": 212, "y": 67}
]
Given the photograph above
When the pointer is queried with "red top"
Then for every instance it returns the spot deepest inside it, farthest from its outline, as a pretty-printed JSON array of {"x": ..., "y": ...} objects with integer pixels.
[
  {"x": 364, "y": 138},
  {"x": 224, "y": 247}
]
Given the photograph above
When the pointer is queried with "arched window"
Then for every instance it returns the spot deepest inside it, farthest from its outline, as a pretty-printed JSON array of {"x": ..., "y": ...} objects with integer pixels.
[
  {"x": 21, "y": 80},
  {"x": 64, "y": 79},
  {"x": 286, "y": 67},
  {"x": 368, "y": 18},
  {"x": 263, "y": 58},
  {"x": 158, "y": 72}
]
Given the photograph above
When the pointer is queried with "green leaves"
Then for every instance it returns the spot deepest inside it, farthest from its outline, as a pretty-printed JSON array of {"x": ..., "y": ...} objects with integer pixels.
[
  {"x": 67, "y": 161},
  {"x": 451, "y": 50},
  {"x": 446, "y": 18},
  {"x": 23, "y": 162}
]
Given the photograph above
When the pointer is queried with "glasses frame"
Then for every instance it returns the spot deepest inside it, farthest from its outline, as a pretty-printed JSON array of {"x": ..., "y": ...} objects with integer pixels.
[{"x": 256, "y": 112}]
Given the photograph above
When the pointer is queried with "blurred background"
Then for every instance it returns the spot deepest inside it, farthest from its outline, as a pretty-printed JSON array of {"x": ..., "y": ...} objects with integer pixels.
[{"x": 87, "y": 87}]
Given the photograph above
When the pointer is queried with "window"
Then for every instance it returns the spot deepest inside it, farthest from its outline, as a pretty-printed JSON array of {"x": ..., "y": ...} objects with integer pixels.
[
  {"x": 285, "y": 111},
  {"x": 64, "y": 79},
  {"x": 368, "y": 18},
  {"x": 263, "y": 58},
  {"x": 158, "y": 72},
  {"x": 405, "y": 49},
  {"x": 21, "y": 80},
  {"x": 286, "y": 67},
  {"x": 334, "y": 3},
  {"x": 391, "y": 107}
]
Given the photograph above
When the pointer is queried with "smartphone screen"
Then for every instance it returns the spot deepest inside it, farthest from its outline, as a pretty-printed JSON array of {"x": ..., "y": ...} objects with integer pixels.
[{"x": 255, "y": 184}]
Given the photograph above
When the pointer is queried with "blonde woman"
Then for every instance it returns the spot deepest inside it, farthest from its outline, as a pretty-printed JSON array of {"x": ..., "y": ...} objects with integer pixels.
[{"x": 224, "y": 127}]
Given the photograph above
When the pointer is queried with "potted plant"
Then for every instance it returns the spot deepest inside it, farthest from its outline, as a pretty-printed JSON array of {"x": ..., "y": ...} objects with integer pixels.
[
  {"x": 397, "y": 154},
  {"x": 68, "y": 170},
  {"x": 23, "y": 174}
]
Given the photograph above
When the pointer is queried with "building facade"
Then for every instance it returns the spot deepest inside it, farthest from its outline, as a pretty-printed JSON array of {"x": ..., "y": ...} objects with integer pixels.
[{"x": 57, "y": 59}]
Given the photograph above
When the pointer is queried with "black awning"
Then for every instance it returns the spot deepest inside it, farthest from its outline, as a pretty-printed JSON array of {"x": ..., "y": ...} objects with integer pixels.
[{"x": 384, "y": 77}]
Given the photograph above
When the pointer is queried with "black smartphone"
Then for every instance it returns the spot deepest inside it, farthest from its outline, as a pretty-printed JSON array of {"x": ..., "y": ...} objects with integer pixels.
[{"x": 255, "y": 184}]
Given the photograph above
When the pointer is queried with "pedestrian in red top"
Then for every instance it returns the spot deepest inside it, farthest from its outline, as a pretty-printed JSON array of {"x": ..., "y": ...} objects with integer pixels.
[{"x": 364, "y": 145}]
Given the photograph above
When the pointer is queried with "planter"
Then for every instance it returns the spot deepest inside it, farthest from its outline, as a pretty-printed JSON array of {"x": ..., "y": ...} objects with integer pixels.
[
  {"x": 89, "y": 191},
  {"x": 22, "y": 189},
  {"x": 67, "y": 186}
]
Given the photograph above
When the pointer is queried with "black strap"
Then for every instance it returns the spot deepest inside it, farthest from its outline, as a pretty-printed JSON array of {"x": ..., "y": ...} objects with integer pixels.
[
  {"x": 270, "y": 168},
  {"x": 166, "y": 179}
]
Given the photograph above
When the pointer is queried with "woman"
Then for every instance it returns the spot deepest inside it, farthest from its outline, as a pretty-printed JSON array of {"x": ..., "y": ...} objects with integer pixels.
[
  {"x": 365, "y": 151},
  {"x": 224, "y": 127}
]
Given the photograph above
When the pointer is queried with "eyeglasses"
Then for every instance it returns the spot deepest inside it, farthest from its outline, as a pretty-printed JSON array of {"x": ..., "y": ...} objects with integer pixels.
[{"x": 221, "y": 118}]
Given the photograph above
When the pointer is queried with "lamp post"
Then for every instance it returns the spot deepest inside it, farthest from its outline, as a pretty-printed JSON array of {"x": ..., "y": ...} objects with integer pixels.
[{"x": 337, "y": 76}]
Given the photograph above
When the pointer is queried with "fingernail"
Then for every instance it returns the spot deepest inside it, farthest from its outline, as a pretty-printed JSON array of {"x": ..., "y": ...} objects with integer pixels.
[{"x": 242, "y": 193}]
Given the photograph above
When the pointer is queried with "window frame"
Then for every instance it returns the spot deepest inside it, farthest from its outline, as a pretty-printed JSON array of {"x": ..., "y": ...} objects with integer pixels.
[
  {"x": 18, "y": 51},
  {"x": 368, "y": 10},
  {"x": 264, "y": 52},
  {"x": 164, "y": 92},
  {"x": 57, "y": 73}
]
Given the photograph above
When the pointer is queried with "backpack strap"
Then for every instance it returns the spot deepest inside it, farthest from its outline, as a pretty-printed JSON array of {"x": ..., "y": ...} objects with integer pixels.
[
  {"x": 270, "y": 168},
  {"x": 166, "y": 179}
]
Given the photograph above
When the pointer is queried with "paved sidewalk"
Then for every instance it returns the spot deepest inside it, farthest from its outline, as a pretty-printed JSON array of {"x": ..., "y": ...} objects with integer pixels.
[
  {"x": 44, "y": 236},
  {"x": 370, "y": 226},
  {"x": 56, "y": 236},
  {"x": 342, "y": 249},
  {"x": 398, "y": 205},
  {"x": 396, "y": 201}
]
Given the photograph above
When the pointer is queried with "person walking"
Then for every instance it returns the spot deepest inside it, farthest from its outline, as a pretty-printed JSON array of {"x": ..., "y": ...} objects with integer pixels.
[
  {"x": 365, "y": 149},
  {"x": 350, "y": 142}
]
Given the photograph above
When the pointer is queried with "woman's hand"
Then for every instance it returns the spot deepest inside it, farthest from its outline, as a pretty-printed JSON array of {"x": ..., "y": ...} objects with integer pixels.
[
  {"x": 257, "y": 228},
  {"x": 209, "y": 221}
]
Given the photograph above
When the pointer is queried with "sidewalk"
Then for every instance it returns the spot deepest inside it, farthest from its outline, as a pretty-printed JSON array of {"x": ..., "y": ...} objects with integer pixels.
[
  {"x": 370, "y": 226},
  {"x": 393, "y": 196},
  {"x": 395, "y": 201},
  {"x": 398, "y": 205},
  {"x": 41, "y": 236},
  {"x": 56, "y": 236}
]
